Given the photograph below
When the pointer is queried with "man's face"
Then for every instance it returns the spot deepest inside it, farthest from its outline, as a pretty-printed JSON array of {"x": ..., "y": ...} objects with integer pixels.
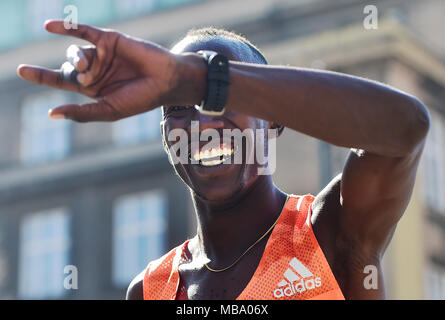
[{"x": 217, "y": 175}]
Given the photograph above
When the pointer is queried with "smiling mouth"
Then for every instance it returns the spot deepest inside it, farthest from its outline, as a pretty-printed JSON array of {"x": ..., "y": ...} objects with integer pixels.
[{"x": 213, "y": 156}]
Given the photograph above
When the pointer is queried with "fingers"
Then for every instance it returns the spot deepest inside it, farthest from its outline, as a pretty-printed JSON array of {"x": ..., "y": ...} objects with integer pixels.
[
  {"x": 69, "y": 73},
  {"x": 67, "y": 78},
  {"x": 83, "y": 31},
  {"x": 85, "y": 79},
  {"x": 91, "y": 62},
  {"x": 98, "y": 111},
  {"x": 80, "y": 57},
  {"x": 119, "y": 104},
  {"x": 44, "y": 76}
]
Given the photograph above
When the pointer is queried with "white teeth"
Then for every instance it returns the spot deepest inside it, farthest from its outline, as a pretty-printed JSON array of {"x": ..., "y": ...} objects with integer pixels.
[
  {"x": 211, "y": 154},
  {"x": 214, "y": 153},
  {"x": 211, "y": 163}
]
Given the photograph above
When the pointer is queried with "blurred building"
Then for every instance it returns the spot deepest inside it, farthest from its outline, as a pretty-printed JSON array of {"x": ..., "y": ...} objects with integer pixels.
[{"x": 103, "y": 197}]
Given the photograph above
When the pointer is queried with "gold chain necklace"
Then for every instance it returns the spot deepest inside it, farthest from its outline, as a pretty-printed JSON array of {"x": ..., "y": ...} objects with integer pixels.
[{"x": 261, "y": 238}]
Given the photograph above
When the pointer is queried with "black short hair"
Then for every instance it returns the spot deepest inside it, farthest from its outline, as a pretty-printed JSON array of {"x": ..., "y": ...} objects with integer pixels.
[{"x": 207, "y": 33}]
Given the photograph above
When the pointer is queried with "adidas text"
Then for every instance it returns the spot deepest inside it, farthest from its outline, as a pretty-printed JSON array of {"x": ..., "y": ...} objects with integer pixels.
[{"x": 297, "y": 287}]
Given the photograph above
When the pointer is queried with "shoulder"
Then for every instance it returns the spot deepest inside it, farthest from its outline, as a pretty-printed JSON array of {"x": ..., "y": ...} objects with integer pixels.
[
  {"x": 135, "y": 290},
  {"x": 158, "y": 270}
]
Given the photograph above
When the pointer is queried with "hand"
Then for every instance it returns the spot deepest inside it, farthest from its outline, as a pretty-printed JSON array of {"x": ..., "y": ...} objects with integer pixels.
[{"x": 126, "y": 76}]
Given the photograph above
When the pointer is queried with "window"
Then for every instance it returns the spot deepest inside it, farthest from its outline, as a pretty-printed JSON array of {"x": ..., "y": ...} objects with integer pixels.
[
  {"x": 38, "y": 11},
  {"x": 435, "y": 283},
  {"x": 126, "y": 8},
  {"x": 434, "y": 163},
  {"x": 139, "y": 233},
  {"x": 331, "y": 161},
  {"x": 325, "y": 158},
  {"x": 173, "y": 3},
  {"x": 12, "y": 22},
  {"x": 93, "y": 12},
  {"x": 139, "y": 128},
  {"x": 44, "y": 252},
  {"x": 43, "y": 139}
]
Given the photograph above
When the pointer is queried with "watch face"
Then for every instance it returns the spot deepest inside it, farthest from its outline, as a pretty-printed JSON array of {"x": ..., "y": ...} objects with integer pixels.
[
  {"x": 207, "y": 54},
  {"x": 217, "y": 83},
  {"x": 218, "y": 61}
]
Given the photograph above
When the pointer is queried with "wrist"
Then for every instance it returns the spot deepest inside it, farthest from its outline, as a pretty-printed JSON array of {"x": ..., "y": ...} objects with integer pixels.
[
  {"x": 191, "y": 83},
  {"x": 218, "y": 80}
]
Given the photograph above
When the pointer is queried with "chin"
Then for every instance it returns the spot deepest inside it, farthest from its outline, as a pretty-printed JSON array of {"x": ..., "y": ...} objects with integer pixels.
[
  {"x": 224, "y": 193},
  {"x": 220, "y": 184},
  {"x": 219, "y": 195}
]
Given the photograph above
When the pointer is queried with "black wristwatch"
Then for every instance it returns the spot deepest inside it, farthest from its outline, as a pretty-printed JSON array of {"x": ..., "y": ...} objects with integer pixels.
[{"x": 218, "y": 80}]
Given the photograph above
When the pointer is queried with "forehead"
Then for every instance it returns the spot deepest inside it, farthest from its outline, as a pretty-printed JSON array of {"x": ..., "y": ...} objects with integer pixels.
[{"x": 231, "y": 48}]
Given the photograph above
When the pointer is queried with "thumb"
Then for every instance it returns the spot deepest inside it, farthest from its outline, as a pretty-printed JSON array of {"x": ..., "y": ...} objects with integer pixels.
[{"x": 98, "y": 111}]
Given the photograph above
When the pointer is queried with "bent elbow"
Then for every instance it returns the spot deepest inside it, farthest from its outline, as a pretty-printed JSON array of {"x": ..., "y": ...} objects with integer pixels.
[{"x": 418, "y": 126}]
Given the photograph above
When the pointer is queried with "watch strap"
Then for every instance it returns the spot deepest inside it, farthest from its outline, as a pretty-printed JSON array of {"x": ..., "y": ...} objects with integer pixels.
[{"x": 218, "y": 80}]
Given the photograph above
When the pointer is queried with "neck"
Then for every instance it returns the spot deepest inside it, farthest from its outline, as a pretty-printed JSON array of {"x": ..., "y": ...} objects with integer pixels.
[{"x": 227, "y": 230}]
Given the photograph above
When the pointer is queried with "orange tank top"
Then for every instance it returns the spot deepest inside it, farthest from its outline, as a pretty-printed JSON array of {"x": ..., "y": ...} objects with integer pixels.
[{"x": 293, "y": 265}]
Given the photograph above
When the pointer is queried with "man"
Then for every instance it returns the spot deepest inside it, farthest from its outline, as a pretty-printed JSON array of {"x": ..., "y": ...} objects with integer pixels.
[{"x": 254, "y": 241}]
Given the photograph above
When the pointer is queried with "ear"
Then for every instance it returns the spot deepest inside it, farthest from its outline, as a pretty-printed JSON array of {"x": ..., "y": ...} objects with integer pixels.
[
  {"x": 278, "y": 127},
  {"x": 164, "y": 143}
]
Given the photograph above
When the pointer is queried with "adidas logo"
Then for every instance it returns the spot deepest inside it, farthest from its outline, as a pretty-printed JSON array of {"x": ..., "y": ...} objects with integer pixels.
[{"x": 297, "y": 282}]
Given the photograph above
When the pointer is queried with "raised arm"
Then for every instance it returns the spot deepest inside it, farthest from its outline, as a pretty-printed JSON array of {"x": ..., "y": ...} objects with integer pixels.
[
  {"x": 355, "y": 216},
  {"x": 340, "y": 109},
  {"x": 385, "y": 126}
]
